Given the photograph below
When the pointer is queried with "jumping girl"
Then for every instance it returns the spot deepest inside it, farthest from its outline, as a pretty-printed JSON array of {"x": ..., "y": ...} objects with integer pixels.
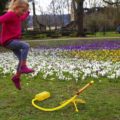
[{"x": 11, "y": 35}]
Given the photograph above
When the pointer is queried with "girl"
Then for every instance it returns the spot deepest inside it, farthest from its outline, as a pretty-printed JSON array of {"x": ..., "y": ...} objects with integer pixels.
[{"x": 11, "y": 34}]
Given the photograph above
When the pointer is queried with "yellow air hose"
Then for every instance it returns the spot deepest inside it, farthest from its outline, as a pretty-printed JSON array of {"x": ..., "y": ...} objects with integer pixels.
[{"x": 44, "y": 95}]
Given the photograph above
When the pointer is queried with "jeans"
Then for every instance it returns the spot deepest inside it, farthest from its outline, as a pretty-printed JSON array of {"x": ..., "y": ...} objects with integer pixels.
[{"x": 19, "y": 48}]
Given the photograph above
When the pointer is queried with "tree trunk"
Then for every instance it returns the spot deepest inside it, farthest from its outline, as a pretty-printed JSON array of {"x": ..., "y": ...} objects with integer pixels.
[
  {"x": 73, "y": 11},
  {"x": 79, "y": 19},
  {"x": 34, "y": 16}
]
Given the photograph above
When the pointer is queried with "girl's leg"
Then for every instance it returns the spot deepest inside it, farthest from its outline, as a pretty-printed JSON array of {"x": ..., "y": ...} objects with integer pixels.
[
  {"x": 18, "y": 54},
  {"x": 16, "y": 46},
  {"x": 23, "y": 58},
  {"x": 20, "y": 49}
]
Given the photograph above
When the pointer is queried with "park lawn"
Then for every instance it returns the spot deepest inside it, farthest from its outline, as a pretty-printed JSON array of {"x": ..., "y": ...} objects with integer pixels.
[
  {"x": 103, "y": 99},
  {"x": 44, "y": 36},
  {"x": 106, "y": 34}
]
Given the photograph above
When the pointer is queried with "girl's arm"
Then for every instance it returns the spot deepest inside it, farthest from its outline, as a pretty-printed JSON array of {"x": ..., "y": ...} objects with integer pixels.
[
  {"x": 25, "y": 15},
  {"x": 6, "y": 17}
]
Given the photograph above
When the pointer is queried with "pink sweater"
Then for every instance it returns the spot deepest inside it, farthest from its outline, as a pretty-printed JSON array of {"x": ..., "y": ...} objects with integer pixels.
[{"x": 11, "y": 26}]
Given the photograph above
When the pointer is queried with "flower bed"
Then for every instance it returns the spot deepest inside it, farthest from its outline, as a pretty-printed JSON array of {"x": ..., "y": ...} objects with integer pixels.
[{"x": 67, "y": 64}]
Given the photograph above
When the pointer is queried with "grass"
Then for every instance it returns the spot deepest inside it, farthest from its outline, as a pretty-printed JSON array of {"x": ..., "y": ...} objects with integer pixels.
[
  {"x": 53, "y": 35},
  {"x": 102, "y": 99},
  {"x": 106, "y": 34}
]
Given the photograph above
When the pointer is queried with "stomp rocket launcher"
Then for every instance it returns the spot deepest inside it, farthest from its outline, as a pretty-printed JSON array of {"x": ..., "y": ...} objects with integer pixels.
[{"x": 44, "y": 95}]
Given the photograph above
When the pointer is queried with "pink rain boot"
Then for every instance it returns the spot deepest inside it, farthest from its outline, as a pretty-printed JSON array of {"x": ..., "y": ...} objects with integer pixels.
[
  {"x": 16, "y": 81},
  {"x": 26, "y": 70}
]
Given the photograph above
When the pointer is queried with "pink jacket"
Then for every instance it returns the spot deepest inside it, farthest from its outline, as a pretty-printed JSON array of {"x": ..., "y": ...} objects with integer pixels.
[{"x": 11, "y": 26}]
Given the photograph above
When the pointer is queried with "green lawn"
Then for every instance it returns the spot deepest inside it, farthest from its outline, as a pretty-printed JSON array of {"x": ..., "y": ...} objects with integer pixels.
[
  {"x": 44, "y": 36},
  {"x": 106, "y": 34},
  {"x": 103, "y": 99}
]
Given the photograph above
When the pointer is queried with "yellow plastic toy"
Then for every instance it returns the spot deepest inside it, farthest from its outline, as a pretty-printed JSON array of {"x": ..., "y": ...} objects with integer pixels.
[{"x": 44, "y": 95}]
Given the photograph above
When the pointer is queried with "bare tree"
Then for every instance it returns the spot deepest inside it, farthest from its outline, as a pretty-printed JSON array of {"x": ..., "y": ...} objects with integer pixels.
[
  {"x": 53, "y": 9},
  {"x": 48, "y": 17},
  {"x": 79, "y": 14},
  {"x": 115, "y": 6},
  {"x": 112, "y": 2},
  {"x": 60, "y": 6},
  {"x": 58, "y": 9},
  {"x": 34, "y": 15},
  {"x": 36, "y": 22},
  {"x": 68, "y": 5}
]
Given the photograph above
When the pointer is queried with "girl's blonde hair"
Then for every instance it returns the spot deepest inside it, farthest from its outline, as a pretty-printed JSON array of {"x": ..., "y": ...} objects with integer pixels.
[{"x": 17, "y": 3}]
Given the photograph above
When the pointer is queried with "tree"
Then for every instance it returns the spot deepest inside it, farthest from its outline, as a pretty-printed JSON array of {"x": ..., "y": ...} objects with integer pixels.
[
  {"x": 112, "y": 2},
  {"x": 2, "y": 5},
  {"x": 52, "y": 6},
  {"x": 115, "y": 5},
  {"x": 79, "y": 14},
  {"x": 57, "y": 9}
]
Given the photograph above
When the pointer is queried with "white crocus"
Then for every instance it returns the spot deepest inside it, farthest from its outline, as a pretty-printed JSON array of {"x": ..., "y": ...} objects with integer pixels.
[{"x": 53, "y": 62}]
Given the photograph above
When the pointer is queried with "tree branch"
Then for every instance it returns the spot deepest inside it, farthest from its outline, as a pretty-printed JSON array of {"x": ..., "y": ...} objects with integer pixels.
[
  {"x": 79, "y": 1},
  {"x": 112, "y": 3}
]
